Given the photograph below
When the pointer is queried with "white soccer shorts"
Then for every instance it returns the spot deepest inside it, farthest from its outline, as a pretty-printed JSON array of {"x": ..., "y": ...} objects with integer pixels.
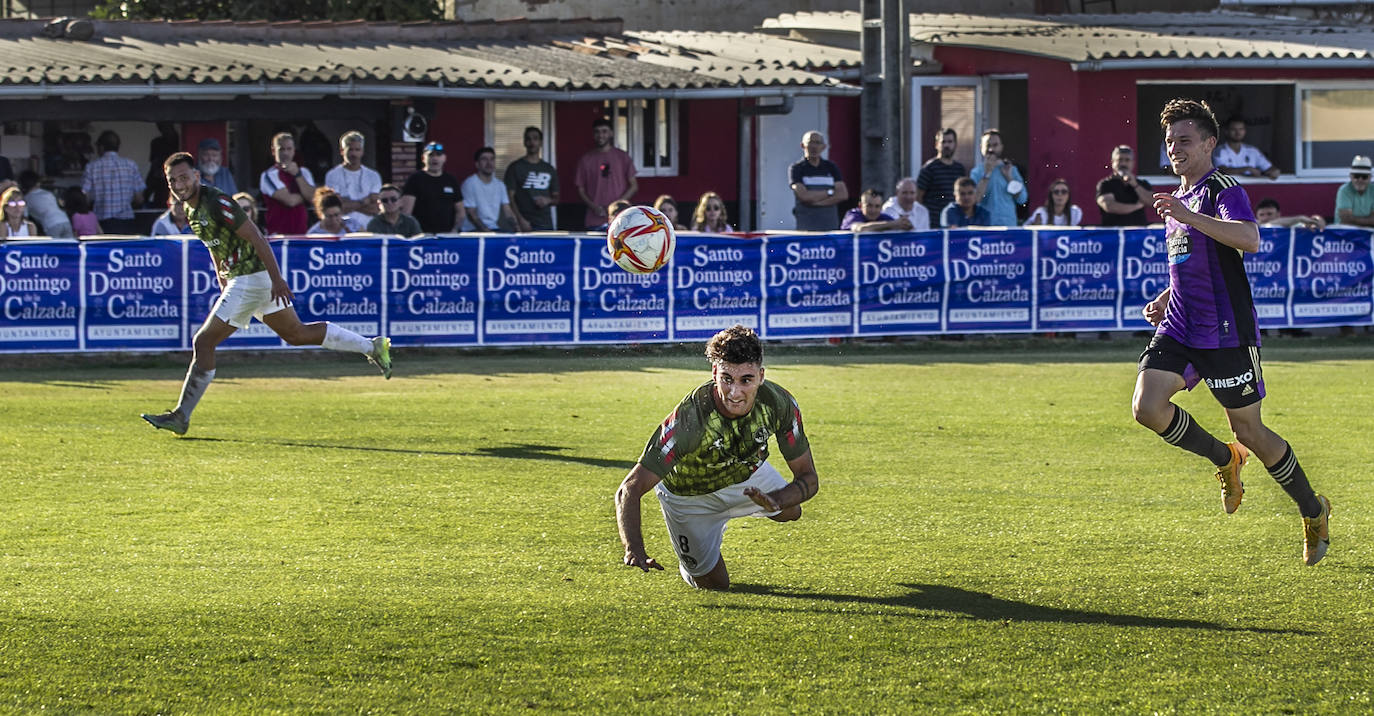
[
  {"x": 245, "y": 298},
  {"x": 696, "y": 523}
]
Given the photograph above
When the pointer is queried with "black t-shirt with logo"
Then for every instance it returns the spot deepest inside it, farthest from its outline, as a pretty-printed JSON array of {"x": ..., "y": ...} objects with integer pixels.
[
  {"x": 1124, "y": 193},
  {"x": 434, "y": 200}
]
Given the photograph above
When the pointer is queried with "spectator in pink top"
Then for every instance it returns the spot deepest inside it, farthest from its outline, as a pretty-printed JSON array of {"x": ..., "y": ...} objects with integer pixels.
[
  {"x": 287, "y": 190},
  {"x": 604, "y": 174}
]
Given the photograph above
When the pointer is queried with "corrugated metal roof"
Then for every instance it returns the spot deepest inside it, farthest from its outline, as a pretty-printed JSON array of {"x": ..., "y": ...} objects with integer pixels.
[
  {"x": 1100, "y": 40},
  {"x": 429, "y": 54}
]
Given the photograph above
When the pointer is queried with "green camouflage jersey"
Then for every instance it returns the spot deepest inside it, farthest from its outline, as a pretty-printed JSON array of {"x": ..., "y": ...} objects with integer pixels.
[
  {"x": 216, "y": 221},
  {"x": 697, "y": 450}
]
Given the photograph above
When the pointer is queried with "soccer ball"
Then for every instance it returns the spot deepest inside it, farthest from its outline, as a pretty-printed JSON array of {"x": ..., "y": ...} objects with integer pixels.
[{"x": 641, "y": 239}]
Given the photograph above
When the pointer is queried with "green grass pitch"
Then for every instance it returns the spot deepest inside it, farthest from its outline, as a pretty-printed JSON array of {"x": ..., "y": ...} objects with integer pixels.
[{"x": 993, "y": 534}]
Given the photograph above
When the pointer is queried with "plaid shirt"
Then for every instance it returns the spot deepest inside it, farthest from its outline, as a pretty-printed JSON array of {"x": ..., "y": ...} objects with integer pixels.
[{"x": 110, "y": 182}]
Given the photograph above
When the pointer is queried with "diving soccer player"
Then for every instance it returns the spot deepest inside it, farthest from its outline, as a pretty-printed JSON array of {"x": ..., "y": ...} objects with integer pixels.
[
  {"x": 1207, "y": 326},
  {"x": 251, "y": 286},
  {"x": 708, "y": 462}
]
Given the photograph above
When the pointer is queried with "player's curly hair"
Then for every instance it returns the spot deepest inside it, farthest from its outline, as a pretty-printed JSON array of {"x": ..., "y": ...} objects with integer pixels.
[
  {"x": 1200, "y": 112},
  {"x": 736, "y": 345}
]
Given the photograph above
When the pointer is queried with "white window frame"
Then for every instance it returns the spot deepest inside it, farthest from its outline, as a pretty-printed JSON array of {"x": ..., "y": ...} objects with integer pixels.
[
  {"x": 489, "y": 129},
  {"x": 922, "y": 146},
  {"x": 1299, "y": 161},
  {"x": 632, "y": 139},
  {"x": 1301, "y": 172}
]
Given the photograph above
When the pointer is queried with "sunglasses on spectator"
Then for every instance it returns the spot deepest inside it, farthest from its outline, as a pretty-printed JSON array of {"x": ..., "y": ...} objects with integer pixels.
[
  {"x": 714, "y": 207},
  {"x": 1060, "y": 191},
  {"x": 15, "y": 203},
  {"x": 388, "y": 199},
  {"x": 1359, "y": 176}
]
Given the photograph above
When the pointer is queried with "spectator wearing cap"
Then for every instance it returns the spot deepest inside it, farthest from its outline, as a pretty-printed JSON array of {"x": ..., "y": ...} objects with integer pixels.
[
  {"x": 114, "y": 185},
  {"x": 1354, "y": 201},
  {"x": 210, "y": 163},
  {"x": 433, "y": 196},
  {"x": 605, "y": 174}
]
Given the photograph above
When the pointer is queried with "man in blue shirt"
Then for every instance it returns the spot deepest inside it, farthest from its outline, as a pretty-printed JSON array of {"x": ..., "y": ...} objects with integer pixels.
[
  {"x": 1000, "y": 186},
  {"x": 966, "y": 211}
]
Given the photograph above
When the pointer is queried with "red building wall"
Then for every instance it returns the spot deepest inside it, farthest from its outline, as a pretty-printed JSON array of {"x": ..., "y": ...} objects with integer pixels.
[{"x": 1076, "y": 118}]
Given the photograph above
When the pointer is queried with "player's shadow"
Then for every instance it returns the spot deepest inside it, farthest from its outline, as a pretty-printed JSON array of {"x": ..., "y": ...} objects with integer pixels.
[
  {"x": 518, "y": 452},
  {"x": 986, "y": 607}
]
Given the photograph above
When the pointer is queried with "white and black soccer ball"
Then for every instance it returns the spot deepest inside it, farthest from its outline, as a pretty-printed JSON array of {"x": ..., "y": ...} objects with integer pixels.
[{"x": 641, "y": 239}]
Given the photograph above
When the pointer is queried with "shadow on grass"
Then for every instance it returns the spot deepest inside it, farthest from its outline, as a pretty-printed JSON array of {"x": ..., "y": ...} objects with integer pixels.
[
  {"x": 517, "y": 452},
  {"x": 986, "y": 607}
]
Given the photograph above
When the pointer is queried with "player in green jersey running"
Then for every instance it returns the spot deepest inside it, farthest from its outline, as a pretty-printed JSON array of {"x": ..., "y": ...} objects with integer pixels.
[
  {"x": 251, "y": 285},
  {"x": 708, "y": 462}
]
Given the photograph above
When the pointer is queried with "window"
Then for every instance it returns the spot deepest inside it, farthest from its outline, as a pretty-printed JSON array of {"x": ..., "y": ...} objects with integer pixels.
[
  {"x": 1267, "y": 109},
  {"x": 647, "y": 129},
  {"x": 506, "y": 122},
  {"x": 1337, "y": 124}
]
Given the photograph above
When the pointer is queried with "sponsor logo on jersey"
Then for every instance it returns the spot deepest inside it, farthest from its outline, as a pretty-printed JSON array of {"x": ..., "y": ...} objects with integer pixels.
[
  {"x": 1233, "y": 381},
  {"x": 1180, "y": 246}
]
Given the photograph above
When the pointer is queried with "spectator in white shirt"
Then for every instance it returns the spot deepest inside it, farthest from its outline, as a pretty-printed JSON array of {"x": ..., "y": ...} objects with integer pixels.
[
  {"x": 1237, "y": 158},
  {"x": 1058, "y": 209},
  {"x": 485, "y": 197},
  {"x": 903, "y": 205},
  {"x": 357, "y": 185}
]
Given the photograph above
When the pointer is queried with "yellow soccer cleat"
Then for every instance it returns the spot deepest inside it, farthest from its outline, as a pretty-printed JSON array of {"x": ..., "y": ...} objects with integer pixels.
[
  {"x": 1315, "y": 535},
  {"x": 1232, "y": 489}
]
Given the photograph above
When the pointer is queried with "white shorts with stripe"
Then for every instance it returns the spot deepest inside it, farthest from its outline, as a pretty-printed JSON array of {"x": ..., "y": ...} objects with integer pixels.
[
  {"x": 245, "y": 298},
  {"x": 696, "y": 523}
]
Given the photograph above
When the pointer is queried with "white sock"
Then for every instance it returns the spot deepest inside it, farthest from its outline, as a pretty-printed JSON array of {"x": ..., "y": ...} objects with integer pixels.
[
  {"x": 193, "y": 390},
  {"x": 338, "y": 338}
]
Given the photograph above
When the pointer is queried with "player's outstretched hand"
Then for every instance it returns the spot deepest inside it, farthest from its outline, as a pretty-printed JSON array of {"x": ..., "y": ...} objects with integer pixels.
[
  {"x": 762, "y": 499},
  {"x": 641, "y": 560}
]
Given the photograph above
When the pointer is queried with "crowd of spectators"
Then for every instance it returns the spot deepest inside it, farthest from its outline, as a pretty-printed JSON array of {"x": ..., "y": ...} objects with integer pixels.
[{"x": 353, "y": 197}]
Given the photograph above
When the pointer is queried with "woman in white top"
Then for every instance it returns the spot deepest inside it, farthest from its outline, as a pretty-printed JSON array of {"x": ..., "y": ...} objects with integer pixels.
[
  {"x": 15, "y": 224},
  {"x": 1057, "y": 210},
  {"x": 710, "y": 216}
]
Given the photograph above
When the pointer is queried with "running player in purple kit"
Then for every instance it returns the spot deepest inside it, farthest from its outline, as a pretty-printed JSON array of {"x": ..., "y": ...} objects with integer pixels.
[{"x": 1207, "y": 327}]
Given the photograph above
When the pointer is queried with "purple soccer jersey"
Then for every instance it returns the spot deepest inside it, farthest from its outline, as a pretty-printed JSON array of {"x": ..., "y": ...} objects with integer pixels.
[{"x": 1210, "y": 305}]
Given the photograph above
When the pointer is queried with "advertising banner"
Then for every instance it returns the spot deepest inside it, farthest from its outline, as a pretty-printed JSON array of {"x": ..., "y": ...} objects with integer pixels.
[
  {"x": 1331, "y": 278},
  {"x": 1077, "y": 282},
  {"x": 990, "y": 280},
  {"x": 528, "y": 290},
  {"x": 40, "y": 296},
  {"x": 618, "y": 306},
  {"x": 1144, "y": 274},
  {"x": 202, "y": 290},
  {"x": 901, "y": 283},
  {"x": 715, "y": 284},
  {"x": 432, "y": 292},
  {"x": 133, "y": 294},
  {"x": 339, "y": 281},
  {"x": 1269, "y": 277},
  {"x": 809, "y": 286}
]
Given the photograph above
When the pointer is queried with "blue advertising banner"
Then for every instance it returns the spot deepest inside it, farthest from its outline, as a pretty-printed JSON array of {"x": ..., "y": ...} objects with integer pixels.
[
  {"x": 616, "y": 305},
  {"x": 1144, "y": 274},
  {"x": 431, "y": 291},
  {"x": 40, "y": 296},
  {"x": 1331, "y": 278},
  {"x": 528, "y": 290},
  {"x": 133, "y": 294},
  {"x": 809, "y": 286},
  {"x": 202, "y": 290},
  {"x": 1269, "y": 277},
  {"x": 1077, "y": 284},
  {"x": 715, "y": 284},
  {"x": 990, "y": 280},
  {"x": 337, "y": 281},
  {"x": 901, "y": 282}
]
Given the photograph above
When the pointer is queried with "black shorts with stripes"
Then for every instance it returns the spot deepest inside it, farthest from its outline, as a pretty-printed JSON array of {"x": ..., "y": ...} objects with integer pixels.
[{"x": 1232, "y": 374}]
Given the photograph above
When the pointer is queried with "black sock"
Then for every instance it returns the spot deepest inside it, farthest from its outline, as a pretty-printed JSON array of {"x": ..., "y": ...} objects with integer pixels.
[
  {"x": 1190, "y": 436},
  {"x": 1288, "y": 473}
]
